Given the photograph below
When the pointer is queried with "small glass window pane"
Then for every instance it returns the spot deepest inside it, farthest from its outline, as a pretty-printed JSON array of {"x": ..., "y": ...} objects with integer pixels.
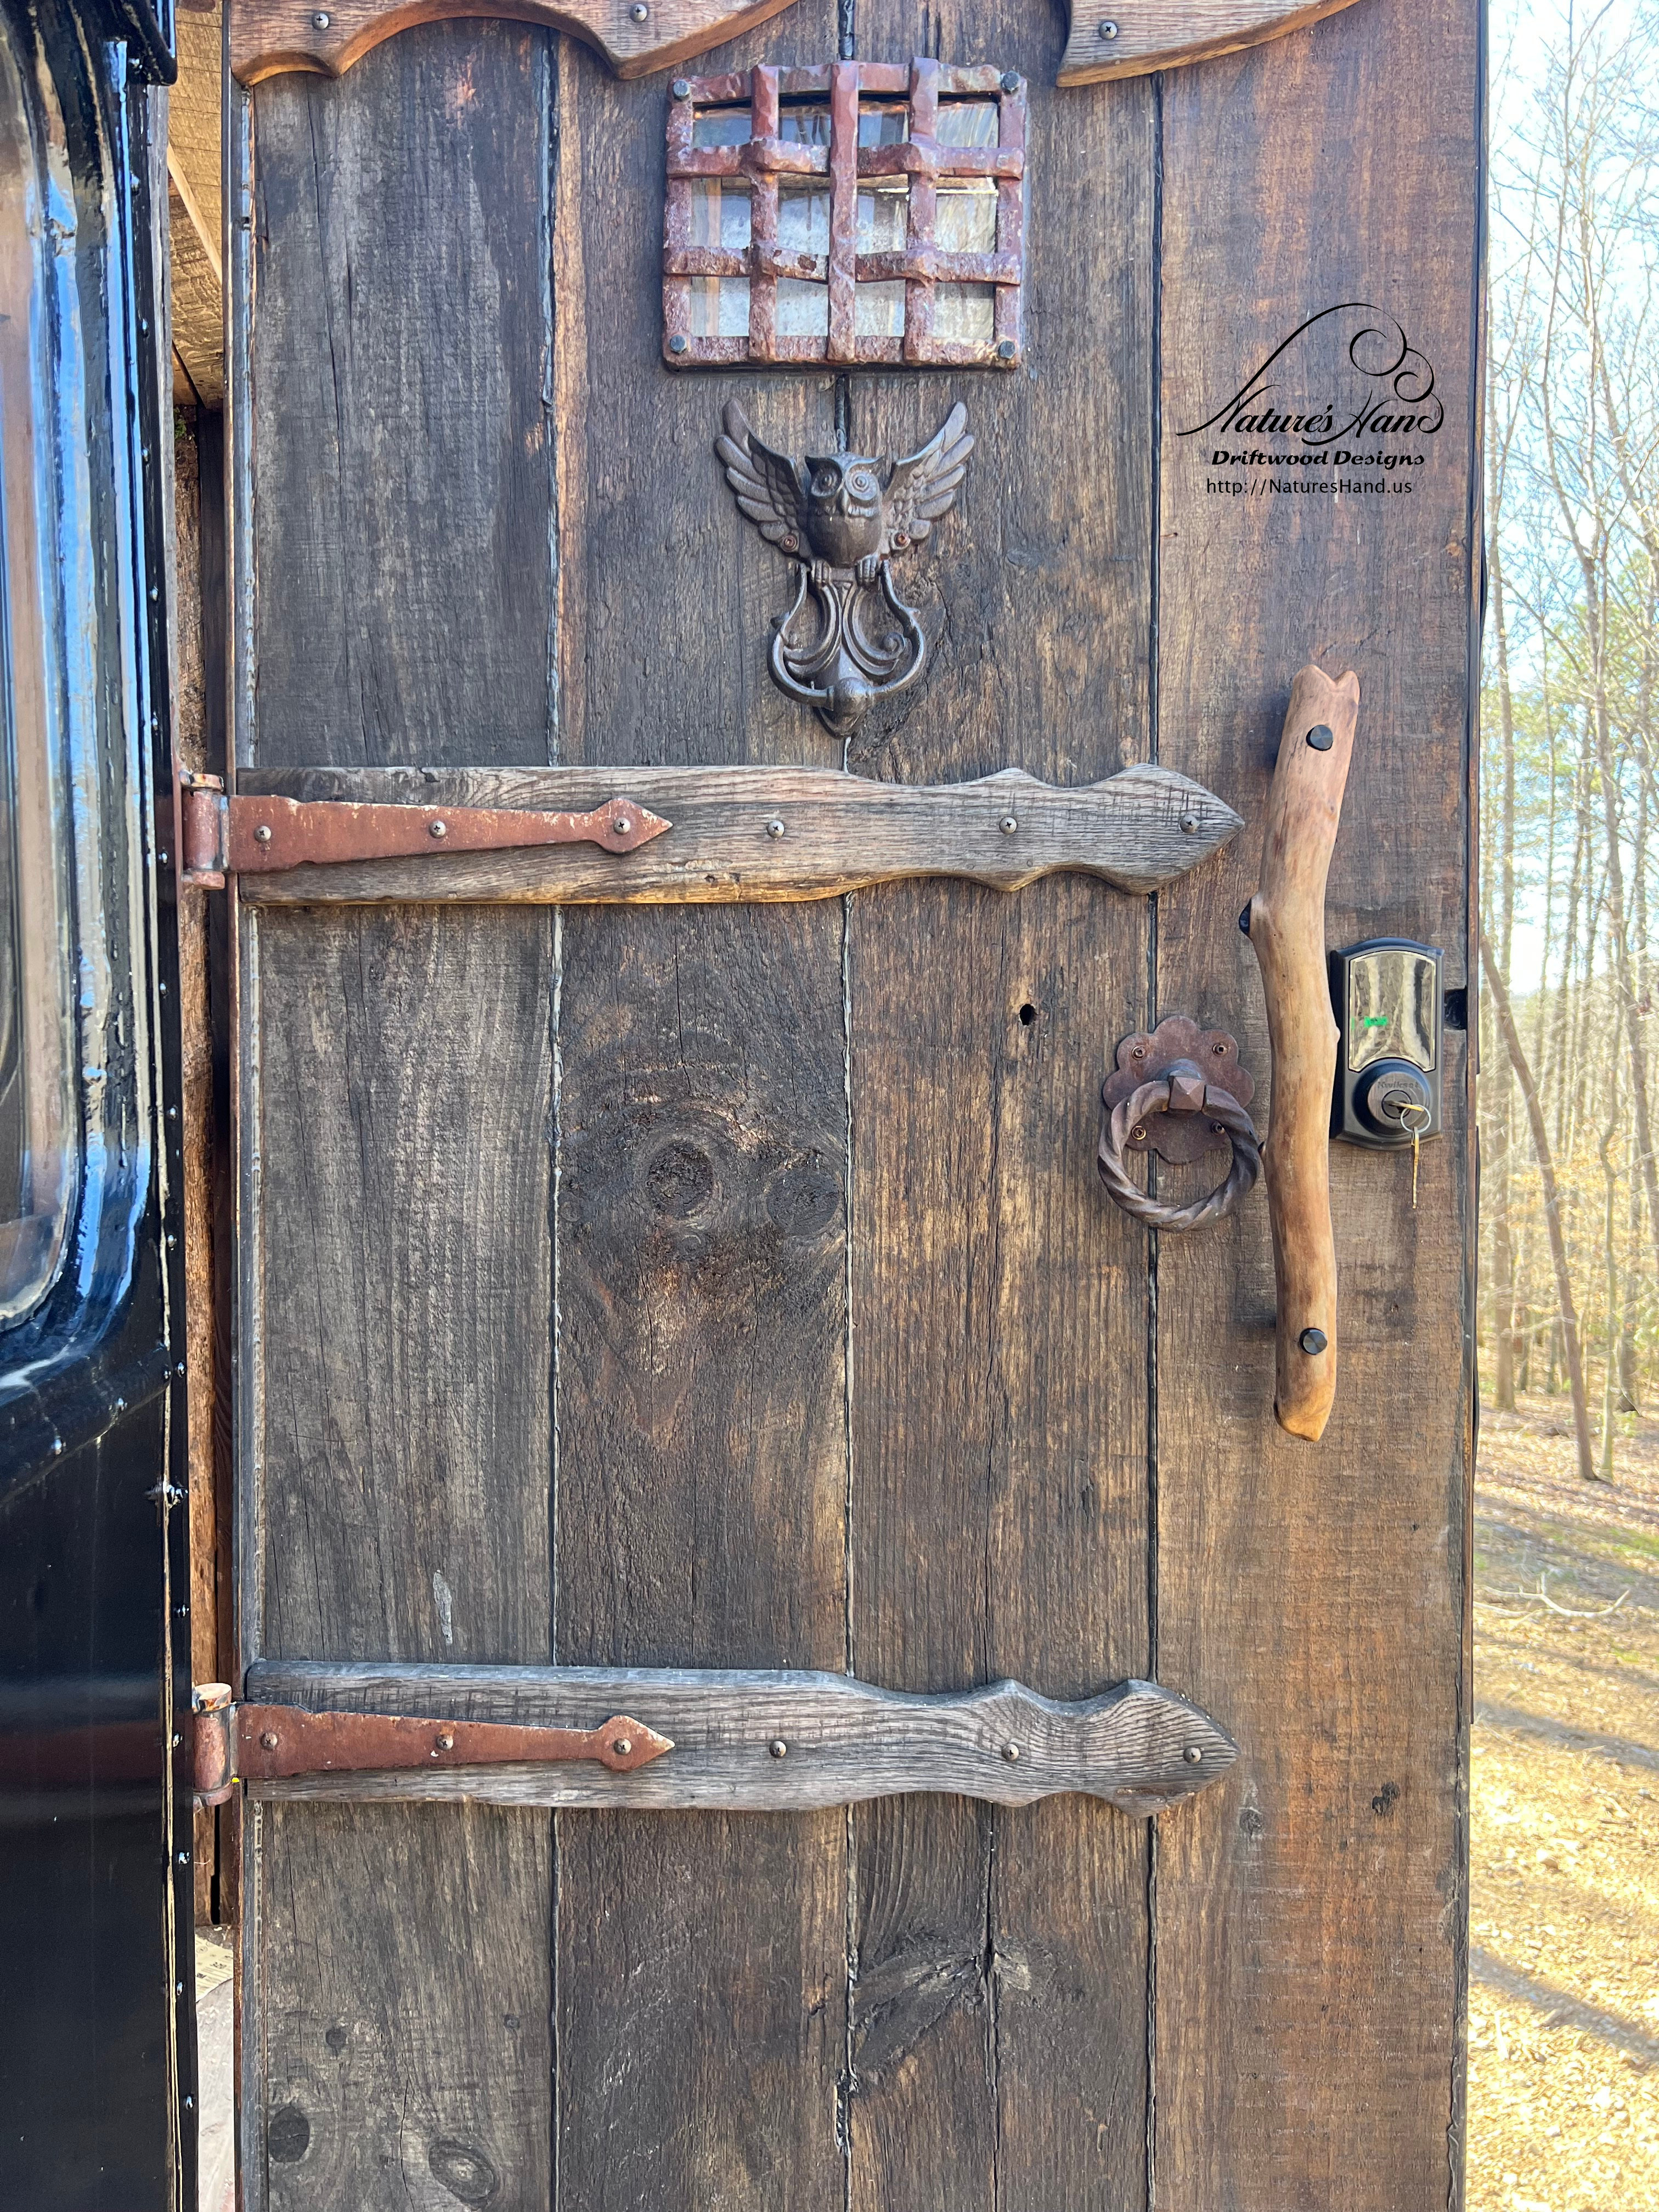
[
  {"x": 965, "y": 215},
  {"x": 968, "y": 122},
  {"x": 803, "y": 219},
  {"x": 720, "y": 306},
  {"x": 886, "y": 124},
  {"x": 964, "y": 314},
  {"x": 803, "y": 309},
  {"x": 804, "y": 123},
  {"x": 884, "y": 211},
  {"x": 720, "y": 126},
  {"x": 720, "y": 213},
  {"x": 879, "y": 311}
]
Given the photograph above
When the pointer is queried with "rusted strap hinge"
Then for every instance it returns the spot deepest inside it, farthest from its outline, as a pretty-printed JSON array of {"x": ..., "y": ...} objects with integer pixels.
[
  {"x": 222, "y": 833},
  {"x": 263, "y": 1743}
]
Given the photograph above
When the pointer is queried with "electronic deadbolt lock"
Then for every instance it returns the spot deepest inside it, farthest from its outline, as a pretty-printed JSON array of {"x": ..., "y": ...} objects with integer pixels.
[{"x": 1385, "y": 995}]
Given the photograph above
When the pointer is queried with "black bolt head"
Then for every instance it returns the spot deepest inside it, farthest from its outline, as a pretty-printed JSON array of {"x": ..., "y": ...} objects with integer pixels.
[{"x": 1313, "y": 1340}]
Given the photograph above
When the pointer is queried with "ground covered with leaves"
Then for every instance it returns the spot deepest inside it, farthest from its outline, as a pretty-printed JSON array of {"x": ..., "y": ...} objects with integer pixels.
[{"x": 1563, "y": 1999}]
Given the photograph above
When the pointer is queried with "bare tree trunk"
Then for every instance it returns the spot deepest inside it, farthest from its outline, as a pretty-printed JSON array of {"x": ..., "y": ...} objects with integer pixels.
[{"x": 1568, "y": 1311}]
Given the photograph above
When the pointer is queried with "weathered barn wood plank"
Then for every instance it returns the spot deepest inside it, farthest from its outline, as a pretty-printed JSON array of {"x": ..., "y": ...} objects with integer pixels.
[
  {"x": 701, "y": 1429},
  {"x": 404, "y": 2008},
  {"x": 757, "y": 1739},
  {"x": 396, "y": 1093},
  {"x": 998, "y": 1418},
  {"x": 1309, "y": 1911},
  {"x": 765, "y": 833},
  {"x": 402, "y": 449}
]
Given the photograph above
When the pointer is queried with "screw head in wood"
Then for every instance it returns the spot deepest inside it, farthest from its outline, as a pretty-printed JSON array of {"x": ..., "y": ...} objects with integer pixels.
[
  {"x": 268, "y": 1739},
  {"x": 1321, "y": 737},
  {"x": 437, "y": 828},
  {"x": 623, "y": 1745},
  {"x": 774, "y": 827},
  {"x": 1313, "y": 1340},
  {"x": 1192, "y": 1754},
  {"x": 261, "y": 834},
  {"x": 1108, "y": 31},
  {"x": 1011, "y": 1752},
  {"x": 778, "y": 1748},
  {"x": 320, "y": 21},
  {"x": 1189, "y": 823},
  {"x": 681, "y": 87},
  {"x": 1008, "y": 825},
  {"x": 639, "y": 11}
]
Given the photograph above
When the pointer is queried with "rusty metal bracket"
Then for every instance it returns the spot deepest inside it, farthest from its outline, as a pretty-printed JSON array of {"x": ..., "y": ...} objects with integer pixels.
[
  {"x": 1177, "y": 1091},
  {"x": 223, "y": 833},
  {"x": 263, "y": 1743}
]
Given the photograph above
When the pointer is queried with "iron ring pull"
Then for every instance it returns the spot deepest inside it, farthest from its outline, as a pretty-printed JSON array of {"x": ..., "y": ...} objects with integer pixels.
[
  {"x": 845, "y": 701},
  {"x": 1180, "y": 1090}
]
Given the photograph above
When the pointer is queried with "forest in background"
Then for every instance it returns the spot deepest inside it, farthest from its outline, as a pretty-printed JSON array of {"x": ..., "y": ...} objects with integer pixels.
[{"x": 1570, "y": 1180}]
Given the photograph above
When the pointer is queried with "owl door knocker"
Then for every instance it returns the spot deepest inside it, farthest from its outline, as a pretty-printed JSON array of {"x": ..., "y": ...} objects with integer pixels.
[{"x": 841, "y": 518}]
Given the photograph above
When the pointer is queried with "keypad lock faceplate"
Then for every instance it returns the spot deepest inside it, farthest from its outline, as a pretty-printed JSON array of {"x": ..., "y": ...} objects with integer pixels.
[{"x": 1387, "y": 998}]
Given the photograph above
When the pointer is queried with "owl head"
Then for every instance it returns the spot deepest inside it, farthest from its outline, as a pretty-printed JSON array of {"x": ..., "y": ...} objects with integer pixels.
[{"x": 845, "y": 501}]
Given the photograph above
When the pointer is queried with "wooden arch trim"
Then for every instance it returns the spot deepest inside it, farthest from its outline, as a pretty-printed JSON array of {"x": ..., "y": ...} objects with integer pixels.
[
  {"x": 1132, "y": 38},
  {"x": 273, "y": 38}
]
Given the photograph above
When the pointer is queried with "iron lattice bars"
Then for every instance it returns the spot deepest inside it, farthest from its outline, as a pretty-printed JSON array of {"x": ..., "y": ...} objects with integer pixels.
[{"x": 765, "y": 139}]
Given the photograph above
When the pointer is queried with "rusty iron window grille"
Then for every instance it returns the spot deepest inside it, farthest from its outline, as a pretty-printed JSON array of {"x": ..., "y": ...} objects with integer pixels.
[{"x": 859, "y": 211}]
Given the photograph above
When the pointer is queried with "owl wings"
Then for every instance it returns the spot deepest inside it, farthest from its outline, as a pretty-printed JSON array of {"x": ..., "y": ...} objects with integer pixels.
[{"x": 770, "y": 488}]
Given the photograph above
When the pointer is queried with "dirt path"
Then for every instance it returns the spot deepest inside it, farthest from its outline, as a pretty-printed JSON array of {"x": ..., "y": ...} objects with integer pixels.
[{"x": 1563, "y": 1999}]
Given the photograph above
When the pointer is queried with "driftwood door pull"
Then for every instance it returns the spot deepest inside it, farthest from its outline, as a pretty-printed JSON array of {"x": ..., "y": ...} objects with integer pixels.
[{"x": 1285, "y": 924}]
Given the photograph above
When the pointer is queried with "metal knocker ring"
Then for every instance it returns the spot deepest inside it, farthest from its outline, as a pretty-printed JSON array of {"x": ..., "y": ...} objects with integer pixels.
[{"x": 1180, "y": 1089}]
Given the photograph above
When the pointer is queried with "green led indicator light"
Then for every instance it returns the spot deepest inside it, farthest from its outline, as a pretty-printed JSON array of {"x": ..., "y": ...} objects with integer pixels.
[{"x": 1376, "y": 1021}]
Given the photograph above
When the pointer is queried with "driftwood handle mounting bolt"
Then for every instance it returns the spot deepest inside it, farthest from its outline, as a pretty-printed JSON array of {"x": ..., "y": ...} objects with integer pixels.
[
  {"x": 1285, "y": 924},
  {"x": 1179, "y": 1091}
]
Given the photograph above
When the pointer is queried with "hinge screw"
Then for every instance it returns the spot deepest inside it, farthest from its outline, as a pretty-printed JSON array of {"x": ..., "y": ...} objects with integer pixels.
[
  {"x": 779, "y": 1748},
  {"x": 775, "y": 828},
  {"x": 1108, "y": 31},
  {"x": 1192, "y": 1754},
  {"x": 623, "y": 1747},
  {"x": 623, "y": 826},
  {"x": 261, "y": 834},
  {"x": 1011, "y": 1752},
  {"x": 446, "y": 1742},
  {"x": 1008, "y": 825},
  {"x": 437, "y": 828},
  {"x": 269, "y": 1740}
]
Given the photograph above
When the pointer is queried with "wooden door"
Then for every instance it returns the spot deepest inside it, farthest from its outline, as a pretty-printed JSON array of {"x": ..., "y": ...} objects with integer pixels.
[{"x": 728, "y": 1285}]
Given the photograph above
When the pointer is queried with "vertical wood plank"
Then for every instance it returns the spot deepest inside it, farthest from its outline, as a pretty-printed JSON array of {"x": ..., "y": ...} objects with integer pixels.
[
  {"x": 1310, "y": 1913},
  {"x": 998, "y": 1421},
  {"x": 402, "y": 471},
  {"x": 700, "y": 1432},
  {"x": 403, "y": 505}
]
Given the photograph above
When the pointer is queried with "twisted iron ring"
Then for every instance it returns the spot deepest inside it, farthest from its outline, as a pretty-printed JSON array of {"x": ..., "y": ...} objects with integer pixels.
[{"x": 1179, "y": 1090}]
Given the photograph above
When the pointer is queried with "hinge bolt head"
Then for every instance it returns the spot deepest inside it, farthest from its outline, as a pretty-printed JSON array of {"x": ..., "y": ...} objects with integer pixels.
[
  {"x": 677, "y": 345},
  {"x": 681, "y": 87},
  {"x": 1108, "y": 31},
  {"x": 1006, "y": 350},
  {"x": 1011, "y": 1752},
  {"x": 269, "y": 1740},
  {"x": 261, "y": 834},
  {"x": 1010, "y": 80},
  {"x": 1313, "y": 1340},
  {"x": 1008, "y": 825},
  {"x": 1194, "y": 1753},
  {"x": 779, "y": 1748}
]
